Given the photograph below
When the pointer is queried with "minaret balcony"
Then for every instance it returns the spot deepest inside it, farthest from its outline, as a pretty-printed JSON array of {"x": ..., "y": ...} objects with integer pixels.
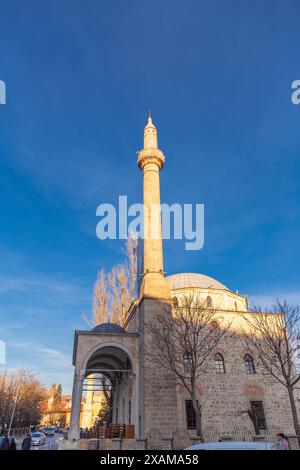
[{"x": 150, "y": 155}]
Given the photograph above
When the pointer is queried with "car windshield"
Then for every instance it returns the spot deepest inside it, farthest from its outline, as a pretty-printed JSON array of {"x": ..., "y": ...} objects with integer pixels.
[
  {"x": 36, "y": 434},
  {"x": 49, "y": 429}
]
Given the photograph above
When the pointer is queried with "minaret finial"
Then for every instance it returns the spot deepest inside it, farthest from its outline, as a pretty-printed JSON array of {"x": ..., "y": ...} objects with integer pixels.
[{"x": 150, "y": 133}]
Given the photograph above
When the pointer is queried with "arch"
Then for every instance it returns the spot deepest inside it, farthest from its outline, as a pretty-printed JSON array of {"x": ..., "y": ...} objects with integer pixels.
[
  {"x": 110, "y": 361},
  {"x": 249, "y": 364},
  {"x": 105, "y": 344},
  {"x": 219, "y": 363},
  {"x": 253, "y": 391},
  {"x": 113, "y": 361},
  {"x": 175, "y": 301}
]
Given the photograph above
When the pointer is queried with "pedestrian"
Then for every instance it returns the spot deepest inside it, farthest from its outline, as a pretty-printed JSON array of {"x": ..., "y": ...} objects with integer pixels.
[
  {"x": 282, "y": 443},
  {"x": 26, "y": 442},
  {"x": 13, "y": 445},
  {"x": 4, "y": 442}
]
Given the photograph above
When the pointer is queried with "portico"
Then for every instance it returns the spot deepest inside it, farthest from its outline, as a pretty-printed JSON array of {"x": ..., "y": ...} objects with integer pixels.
[{"x": 110, "y": 351}]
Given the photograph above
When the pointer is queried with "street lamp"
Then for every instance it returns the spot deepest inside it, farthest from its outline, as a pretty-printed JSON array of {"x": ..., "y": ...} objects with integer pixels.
[{"x": 14, "y": 408}]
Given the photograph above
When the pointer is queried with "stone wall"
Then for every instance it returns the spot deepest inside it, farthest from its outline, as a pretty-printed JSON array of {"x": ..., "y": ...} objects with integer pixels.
[
  {"x": 224, "y": 396},
  {"x": 160, "y": 397}
]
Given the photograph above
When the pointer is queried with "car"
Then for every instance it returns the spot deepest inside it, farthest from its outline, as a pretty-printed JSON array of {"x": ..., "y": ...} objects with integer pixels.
[
  {"x": 232, "y": 445},
  {"x": 38, "y": 438},
  {"x": 49, "y": 431}
]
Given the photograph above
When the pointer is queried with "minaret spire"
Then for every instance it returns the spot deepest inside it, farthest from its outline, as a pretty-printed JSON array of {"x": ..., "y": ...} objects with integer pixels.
[
  {"x": 151, "y": 160},
  {"x": 150, "y": 134}
]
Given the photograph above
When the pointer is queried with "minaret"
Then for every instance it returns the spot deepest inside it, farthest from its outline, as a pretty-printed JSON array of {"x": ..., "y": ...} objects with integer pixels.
[
  {"x": 157, "y": 387},
  {"x": 151, "y": 160},
  {"x": 87, "y": 412}
]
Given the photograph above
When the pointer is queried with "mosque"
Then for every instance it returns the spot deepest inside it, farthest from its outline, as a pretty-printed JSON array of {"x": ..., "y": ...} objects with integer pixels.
[{"x": 148, "y": 397}]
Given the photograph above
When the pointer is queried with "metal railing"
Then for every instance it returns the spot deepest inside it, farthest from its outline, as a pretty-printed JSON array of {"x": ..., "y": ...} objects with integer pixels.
[{"x": 183, "y": 438}]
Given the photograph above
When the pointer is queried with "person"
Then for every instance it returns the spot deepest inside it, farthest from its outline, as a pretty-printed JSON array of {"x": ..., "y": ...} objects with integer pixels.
[
  {"x": 282, "y": 443},
  {"x": 13, "y": 445},
  {"x": 5, "y": 442},
  {"x": 26, "y": 442}
]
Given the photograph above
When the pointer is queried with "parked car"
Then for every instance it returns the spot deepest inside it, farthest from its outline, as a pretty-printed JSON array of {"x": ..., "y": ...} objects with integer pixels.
[
  {"x": 233, "y": 445},
  {"x": 49, "y": 431},
  {"x": 38, "y": 438}
]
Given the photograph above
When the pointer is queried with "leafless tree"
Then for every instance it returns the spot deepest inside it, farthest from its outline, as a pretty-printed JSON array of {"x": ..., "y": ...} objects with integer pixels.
[
  {"x": 272, "y": 336},
  {"x": 100, "y": 298},
  {"x": 21, "y": 397},
  {"x": 182, "y": 343},
  {"x": 100, "y": 301},
  {"x": 106, "y": 410},
  {"x": 131, "y": 253},
  {"x": 119, "y": 295},
  {"x": 114, "y": 291},
  {"x": 253, "y": 419}
]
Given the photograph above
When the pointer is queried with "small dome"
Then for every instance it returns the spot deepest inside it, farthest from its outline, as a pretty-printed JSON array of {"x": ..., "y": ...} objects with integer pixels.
[
  {"x": 109, "y": 328},
  {"x": 188, "y": 280}
]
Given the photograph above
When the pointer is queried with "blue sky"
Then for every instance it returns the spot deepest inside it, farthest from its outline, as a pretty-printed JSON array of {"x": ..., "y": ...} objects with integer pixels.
[{"x": 81, "y": 77}]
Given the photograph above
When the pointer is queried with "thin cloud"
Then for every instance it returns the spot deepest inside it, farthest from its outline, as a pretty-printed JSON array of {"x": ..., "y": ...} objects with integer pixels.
[
  {"x": 269, "y": 299},
  {"x": 56, "y": 356},
  {"x": 41, "y": 284}
]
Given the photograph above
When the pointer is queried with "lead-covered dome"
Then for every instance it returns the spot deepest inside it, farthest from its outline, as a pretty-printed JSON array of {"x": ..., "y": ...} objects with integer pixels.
[
  {"x": 188, "y": 280},
  {"x": 109, "y": 328}
]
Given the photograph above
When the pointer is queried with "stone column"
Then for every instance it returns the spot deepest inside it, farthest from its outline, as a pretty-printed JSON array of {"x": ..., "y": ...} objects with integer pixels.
[{"x": 74, "y": 430}]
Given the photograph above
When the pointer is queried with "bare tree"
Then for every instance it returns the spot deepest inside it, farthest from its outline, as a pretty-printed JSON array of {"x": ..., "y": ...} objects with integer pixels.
[
  {"x": 106, "y": 411},
  {"x": 271, "y": 336},
  {"x": 122, "y": 282},
  {"x": 182, "y": 343},
  {"x": 119, "y": 300},
  {"x": 100, "y": 298},
  {"x": 113, "y": 292},
  {"x": 253, "y": 419},
  {"x": 100, "y": 301},
  {"x": 131, "y": 252},
  {"x": 21, "y": 398}
]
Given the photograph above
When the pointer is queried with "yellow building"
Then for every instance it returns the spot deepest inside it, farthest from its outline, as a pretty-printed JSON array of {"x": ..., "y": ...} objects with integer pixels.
[{"x": 90, "y": 406}]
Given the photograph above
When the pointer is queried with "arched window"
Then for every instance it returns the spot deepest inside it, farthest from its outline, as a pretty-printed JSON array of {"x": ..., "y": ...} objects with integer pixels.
[
  {"x": 215, "y": 324},
  {"x": 219, "y": 363},
  {"x": 249, "y": 364},
  {"x": 235, "y": 304},
  {"x": 209, "y": 302},
  {"x": 175, "y": 301}
]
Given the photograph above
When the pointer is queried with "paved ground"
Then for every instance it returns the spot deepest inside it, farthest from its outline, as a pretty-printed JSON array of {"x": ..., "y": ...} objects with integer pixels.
[{"x": 50, "y": 444}]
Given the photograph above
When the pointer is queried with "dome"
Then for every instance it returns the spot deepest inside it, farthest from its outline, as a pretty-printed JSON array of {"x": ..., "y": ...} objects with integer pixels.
[
  {"x": 109, "y": 328},
  {"x": 187, "y": 280}
]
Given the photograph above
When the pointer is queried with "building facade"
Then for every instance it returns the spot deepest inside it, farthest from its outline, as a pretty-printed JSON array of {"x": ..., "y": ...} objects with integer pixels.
[
  {"x": 147, "y": 396},
  {"x": 59, "y": 414}
]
